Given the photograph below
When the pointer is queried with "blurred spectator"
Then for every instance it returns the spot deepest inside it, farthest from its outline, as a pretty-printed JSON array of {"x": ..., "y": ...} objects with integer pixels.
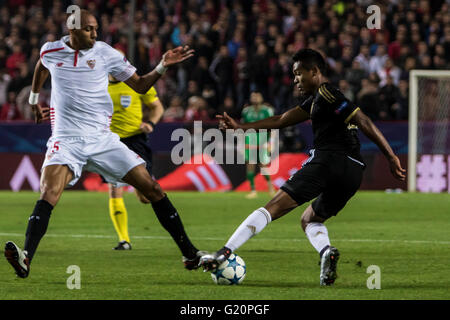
[
  {"x": 15, "y": 59},
  {"x": 23, "y": 79},
  {"x": 344, "y": 87},
  {"x": 5, "y": 78},
  {"x": 391, "y": 70},
  {"x": 230, "y": 108},
  {"x": 337, "y": 73},
  {"x": 388, "y": 95},
  {"x": 221, "y": 71},
  {"x": 354, "y": 76},
  {"x": 10, "y": 110},
  {"x": 201, "y": 73},
  {"x": 367, "y": 100},
  {"x": 364, "y": 58},
  {"x": 401, "y": 107},
  {"x": 260, "y": 70},
  {"x": 175, "y": 111},
  {"x": 378, "y": 60},
  {"x": 257, "y": 36},
  {"x": 281, "y": 81},
  {"x": 196, "y": 109},
  {"x": 192, "y": 90},
  {"x": 242, "y": 76}
]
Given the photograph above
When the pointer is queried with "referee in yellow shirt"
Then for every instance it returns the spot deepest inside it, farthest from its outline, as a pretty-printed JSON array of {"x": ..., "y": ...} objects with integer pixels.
[{"x": 134, "y": 117}]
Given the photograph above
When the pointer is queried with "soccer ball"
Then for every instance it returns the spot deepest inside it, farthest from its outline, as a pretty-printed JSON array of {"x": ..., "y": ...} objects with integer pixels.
[{"x": 231, "y": 271}]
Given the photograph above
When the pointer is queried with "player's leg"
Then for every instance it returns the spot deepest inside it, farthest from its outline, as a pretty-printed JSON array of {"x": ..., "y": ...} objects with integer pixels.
[
  {"x": 303, "y": 186},
  {"x": 281, "y": 204},
  {"x": 166, "y": 213},
  {"x": 342, "y": 187},
  {"x": 53, "y": 181},
  {"x": 119, "y": 217}
]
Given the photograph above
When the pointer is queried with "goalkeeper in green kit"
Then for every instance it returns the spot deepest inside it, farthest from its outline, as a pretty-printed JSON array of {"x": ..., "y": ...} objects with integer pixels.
[{"x": 256, "y": 147}]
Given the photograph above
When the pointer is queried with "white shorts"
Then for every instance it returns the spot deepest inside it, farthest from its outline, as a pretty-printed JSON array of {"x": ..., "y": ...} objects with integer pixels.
[{"x": 104, "y": 154}]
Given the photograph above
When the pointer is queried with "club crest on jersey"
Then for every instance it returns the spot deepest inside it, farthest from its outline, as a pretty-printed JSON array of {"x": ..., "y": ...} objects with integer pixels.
[
  {"x": 91, "y": 63},
  {"x": 125, "y": 101}
]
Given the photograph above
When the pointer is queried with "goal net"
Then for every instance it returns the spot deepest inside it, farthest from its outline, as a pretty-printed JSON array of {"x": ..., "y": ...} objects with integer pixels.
[{"x": 429, "y": 131}]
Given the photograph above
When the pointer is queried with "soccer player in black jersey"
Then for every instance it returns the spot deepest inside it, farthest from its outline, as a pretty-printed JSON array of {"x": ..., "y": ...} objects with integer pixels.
[{"x": 331, "y": 175}]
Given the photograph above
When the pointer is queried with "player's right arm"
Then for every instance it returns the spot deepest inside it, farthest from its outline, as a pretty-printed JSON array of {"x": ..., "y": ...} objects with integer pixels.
[
  {"x": 40, "y": 75},
  {"x": 289, "y": 118}
]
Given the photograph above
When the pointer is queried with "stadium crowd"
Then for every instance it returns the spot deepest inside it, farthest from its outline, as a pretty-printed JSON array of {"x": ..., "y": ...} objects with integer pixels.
[{"x": 241, "y": 46}]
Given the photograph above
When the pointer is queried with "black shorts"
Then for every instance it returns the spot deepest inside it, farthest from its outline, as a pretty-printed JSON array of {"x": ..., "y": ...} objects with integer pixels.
[
  {"x": 138, "y": 144},
  {"x": 332, "y": 178}
]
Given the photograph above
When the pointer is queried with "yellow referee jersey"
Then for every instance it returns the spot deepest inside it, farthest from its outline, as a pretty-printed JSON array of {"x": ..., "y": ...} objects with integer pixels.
[{"x": 127, "y": 116}]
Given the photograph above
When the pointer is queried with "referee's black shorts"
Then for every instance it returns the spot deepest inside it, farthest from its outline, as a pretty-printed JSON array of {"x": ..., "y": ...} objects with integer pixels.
[
  {"x": 332, "y": 178},
  {"x": 138, "y": 143}
]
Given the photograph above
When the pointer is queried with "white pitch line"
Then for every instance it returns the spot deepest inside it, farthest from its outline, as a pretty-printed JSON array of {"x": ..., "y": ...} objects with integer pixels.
[{"x": 99, "y": 236}]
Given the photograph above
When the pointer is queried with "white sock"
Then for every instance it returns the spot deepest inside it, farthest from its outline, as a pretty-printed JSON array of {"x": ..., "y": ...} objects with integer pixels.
[
  {"x": 251, "y": 226},
  {"x": 317, "y": 234}
]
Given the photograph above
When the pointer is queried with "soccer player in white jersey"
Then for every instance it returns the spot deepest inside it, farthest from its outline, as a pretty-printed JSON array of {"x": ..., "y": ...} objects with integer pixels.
[{"x": 80, "y": 113}]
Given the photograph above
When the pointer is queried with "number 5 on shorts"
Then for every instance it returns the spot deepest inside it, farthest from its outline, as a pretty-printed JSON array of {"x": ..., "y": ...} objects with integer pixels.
[{"x": 55, "y": 147}]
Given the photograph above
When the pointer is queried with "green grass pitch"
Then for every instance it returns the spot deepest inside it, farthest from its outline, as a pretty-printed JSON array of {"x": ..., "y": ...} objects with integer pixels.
[{"x": 406, "y": 235}]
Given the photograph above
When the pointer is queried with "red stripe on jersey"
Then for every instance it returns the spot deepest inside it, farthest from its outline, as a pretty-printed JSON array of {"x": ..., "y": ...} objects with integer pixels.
[
  {"x": 51, "y": 50},
  {"x": 75, "y": 59}
]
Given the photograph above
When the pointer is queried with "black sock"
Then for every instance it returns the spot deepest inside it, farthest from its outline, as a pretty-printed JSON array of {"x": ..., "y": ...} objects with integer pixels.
[
  {"x": 170, "y": 220},
  {"x": 37, "y": 226}
]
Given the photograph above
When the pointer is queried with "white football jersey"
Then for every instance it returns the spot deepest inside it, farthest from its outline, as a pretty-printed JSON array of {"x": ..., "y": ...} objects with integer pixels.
[{"x": 80, "y": 104}]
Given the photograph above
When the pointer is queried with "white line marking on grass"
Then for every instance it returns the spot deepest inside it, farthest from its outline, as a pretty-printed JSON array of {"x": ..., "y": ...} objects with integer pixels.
[{"x": 99, "y": 236}]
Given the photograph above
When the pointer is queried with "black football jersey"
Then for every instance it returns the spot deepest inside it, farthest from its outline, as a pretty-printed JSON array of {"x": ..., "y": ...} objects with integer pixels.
[{"x": 330, "y": 112}]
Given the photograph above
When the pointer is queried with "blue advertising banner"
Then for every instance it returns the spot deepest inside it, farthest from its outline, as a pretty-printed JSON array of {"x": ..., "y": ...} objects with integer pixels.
[{"x": 26, "y": 137}]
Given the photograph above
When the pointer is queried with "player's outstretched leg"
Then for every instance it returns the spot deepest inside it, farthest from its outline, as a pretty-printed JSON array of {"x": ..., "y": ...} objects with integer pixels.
[
  {"x": 317, "y": 234},
  {"x": 280, "y": 204},
  {"x": 166, "y": 213}
]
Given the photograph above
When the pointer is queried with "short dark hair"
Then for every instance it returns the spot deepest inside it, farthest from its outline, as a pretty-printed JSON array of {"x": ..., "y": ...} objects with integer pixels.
[{"x": 310, "y": 58}]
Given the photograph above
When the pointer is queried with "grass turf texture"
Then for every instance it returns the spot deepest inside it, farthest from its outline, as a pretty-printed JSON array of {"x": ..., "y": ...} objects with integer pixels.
[{"x": 406, "y": 235}]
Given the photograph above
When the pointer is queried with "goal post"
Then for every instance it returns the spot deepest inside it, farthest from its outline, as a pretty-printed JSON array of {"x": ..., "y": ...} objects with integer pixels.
[{"x": 429, "y": 124}]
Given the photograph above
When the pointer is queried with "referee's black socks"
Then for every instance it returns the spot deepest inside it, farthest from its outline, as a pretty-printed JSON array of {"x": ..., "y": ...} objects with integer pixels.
[
  {"x": 37, "y": 226},
  {"x": 170, "y": 220}
]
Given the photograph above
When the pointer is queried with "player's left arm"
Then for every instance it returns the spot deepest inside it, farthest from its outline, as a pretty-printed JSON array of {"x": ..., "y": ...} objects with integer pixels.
[
  {"x": 373, "y": 133},
  {"x": 141, "y": 84},
  {"x": 346, "y": 111}
]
